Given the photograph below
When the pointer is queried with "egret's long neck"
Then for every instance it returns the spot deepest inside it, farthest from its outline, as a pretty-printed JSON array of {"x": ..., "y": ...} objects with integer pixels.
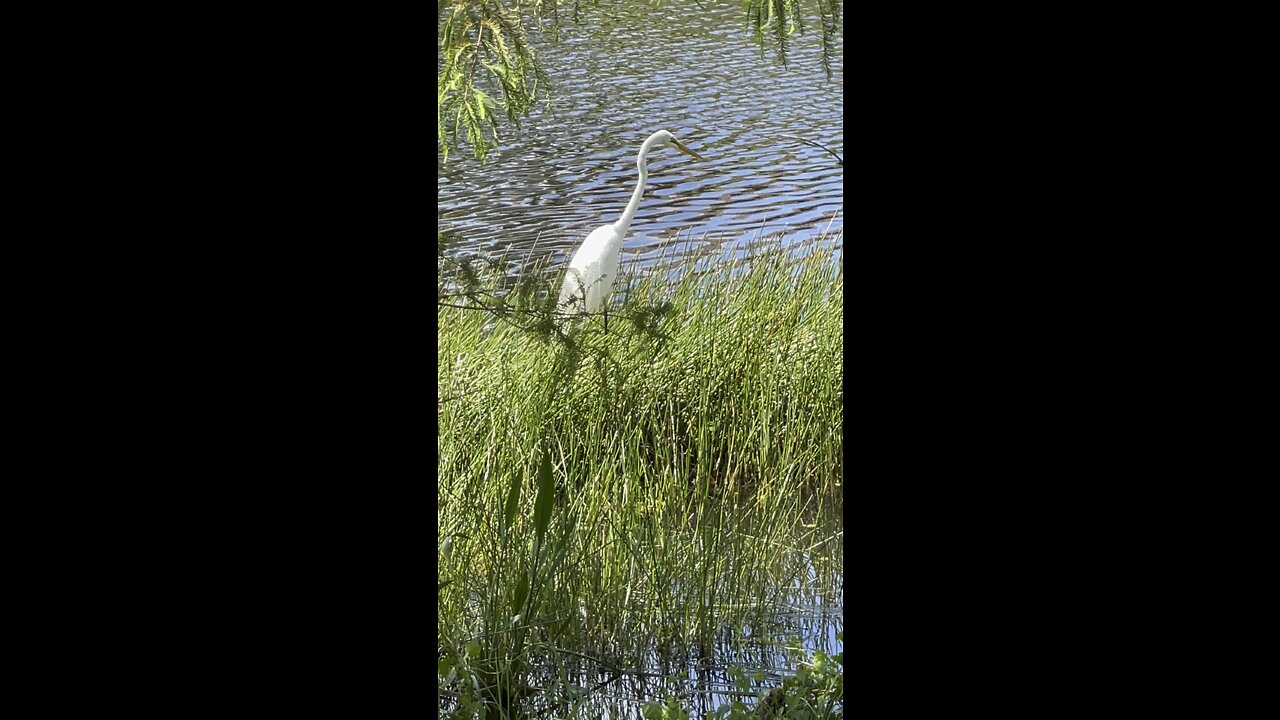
[{"x": 630, "y": 212}]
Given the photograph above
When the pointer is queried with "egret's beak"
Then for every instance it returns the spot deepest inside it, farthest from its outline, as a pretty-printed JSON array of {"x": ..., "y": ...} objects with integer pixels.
[{"x": 682, "y": 148}]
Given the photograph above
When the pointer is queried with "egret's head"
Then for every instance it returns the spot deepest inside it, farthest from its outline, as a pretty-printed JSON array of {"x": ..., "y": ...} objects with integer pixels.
[{"x": 662, "y": 137}]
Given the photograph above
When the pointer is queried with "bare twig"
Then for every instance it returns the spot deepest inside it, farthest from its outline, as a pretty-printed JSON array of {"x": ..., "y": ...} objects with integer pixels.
[{"x": 820, "y": 147}]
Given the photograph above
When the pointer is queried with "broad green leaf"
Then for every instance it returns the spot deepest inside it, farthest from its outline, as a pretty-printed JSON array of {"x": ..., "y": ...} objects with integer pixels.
[
  {"x": 522, "y": 593},
  {"x": 546, "y": 496},
  {"x": 513, "y": 502}
]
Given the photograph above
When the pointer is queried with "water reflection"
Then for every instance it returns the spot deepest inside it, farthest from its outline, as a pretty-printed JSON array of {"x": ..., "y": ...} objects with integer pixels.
[
  {"x": 767, "y": 652},
  {"x": 626, "y": 71}
]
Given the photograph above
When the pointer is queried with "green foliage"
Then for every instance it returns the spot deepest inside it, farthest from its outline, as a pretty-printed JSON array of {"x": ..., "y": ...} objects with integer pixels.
[
  {"x": 669, "y": 710},
  {"x": 604, "y": 496},
  {"x": 829, "y": 12},
  {"x": 775, "y": 21},
  {"x": 752, "y": 348},
  {"x": 484, "y": 34}
]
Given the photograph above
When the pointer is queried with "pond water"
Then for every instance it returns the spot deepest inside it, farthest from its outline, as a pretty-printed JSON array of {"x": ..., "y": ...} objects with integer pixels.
[
  {"x": 766, "y": 643},
  {"x": 629, "y": 69}
]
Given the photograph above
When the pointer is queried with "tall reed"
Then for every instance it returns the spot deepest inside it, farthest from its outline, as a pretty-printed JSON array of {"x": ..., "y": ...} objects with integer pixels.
[{"x": 685, "y": 458}]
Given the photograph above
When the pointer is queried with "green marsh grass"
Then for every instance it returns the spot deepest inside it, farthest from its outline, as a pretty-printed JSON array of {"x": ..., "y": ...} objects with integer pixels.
[{"x": 606, "y": 498}]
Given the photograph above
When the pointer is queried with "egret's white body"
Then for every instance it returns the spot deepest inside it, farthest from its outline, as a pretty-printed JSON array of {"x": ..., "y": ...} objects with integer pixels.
[{"x": 594, "y": 267}]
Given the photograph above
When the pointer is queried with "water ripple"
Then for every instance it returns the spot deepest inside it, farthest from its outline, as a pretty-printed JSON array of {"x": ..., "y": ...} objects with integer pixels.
[{"x": 625, "y": 72}]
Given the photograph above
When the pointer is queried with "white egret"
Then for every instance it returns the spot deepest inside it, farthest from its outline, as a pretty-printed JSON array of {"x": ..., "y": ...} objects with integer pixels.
[{"x": 594, "y": 266}]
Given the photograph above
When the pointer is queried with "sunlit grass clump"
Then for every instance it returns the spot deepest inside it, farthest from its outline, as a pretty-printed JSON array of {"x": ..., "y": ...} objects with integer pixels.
[
  {"x": 611, "y": 497},
  {"x": 727, "y": 373}
]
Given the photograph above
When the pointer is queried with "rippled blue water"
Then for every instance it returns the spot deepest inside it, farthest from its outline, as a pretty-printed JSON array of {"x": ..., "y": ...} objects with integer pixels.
[{"x": 628, "y": 70}]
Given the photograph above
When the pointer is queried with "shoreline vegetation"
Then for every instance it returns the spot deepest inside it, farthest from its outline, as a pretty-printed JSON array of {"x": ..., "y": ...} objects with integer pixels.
[{"x": 619, "y": 506}]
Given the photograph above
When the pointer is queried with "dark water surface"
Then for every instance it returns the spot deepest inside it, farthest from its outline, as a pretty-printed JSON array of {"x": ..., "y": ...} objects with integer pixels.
[{"x": 632, "y": 68}]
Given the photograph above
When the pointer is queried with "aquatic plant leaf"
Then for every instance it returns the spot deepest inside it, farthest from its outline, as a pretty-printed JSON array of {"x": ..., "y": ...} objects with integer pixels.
[
  {"x": 546, "y": 496},
  {"x": 561, "y": 550},
  {"x": 522, "y": 593},
  {"x": 513, "y": 502}
]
